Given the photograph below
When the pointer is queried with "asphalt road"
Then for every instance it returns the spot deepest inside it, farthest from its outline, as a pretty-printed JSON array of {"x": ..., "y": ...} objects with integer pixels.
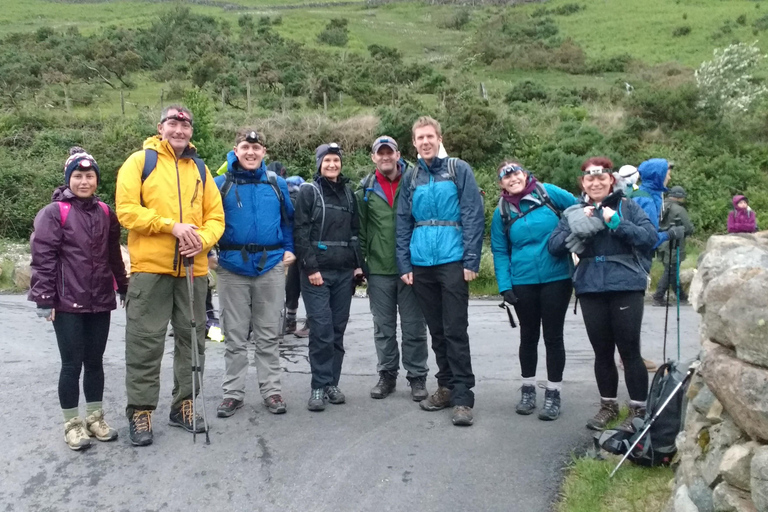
[{"x": 365, "y": 455}]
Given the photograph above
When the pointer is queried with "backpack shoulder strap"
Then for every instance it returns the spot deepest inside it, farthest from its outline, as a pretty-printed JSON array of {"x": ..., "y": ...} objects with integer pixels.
[
  {"x": 272, "y": 180},
  {"x": 546, "y": 200},
  {"x": 64, "y": 211},
  {"x": 104, "y": 208},
  {"x": 366, "y": 186},
  {"x": 452, "y": 168},
  {"x": 227, "y": 186},
  {"x": 150, "y": 162},
  {"x": 201, "y": 169}
]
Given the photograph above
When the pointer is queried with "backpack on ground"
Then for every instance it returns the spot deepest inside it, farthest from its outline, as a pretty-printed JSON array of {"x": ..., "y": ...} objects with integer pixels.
[
  {"x": 657, "y": 447},
  {"x": 230, "y": 180}
]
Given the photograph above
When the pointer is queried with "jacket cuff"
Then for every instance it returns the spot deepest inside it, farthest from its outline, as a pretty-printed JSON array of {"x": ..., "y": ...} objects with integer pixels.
[{"x": 166, "y": 225}]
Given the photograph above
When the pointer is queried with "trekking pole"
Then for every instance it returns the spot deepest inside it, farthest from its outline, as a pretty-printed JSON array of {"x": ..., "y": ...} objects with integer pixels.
[
  {"x": 666, "y": 308},
  {"x": 691, "y": 370},
  {"x": 677, "y": 294},
  {"x": 197, "y": 372}
]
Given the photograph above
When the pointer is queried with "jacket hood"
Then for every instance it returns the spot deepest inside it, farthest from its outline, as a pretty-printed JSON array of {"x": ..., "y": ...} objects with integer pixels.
[
  {"x": 653, "y": 172},
  {"x": 341, "y": 180},
  {"x": 63, "y": 193},
  {"x": 162, "y": 146},
  {"x": 233, "y": 165},
  {"x": 736, "y": 200}
]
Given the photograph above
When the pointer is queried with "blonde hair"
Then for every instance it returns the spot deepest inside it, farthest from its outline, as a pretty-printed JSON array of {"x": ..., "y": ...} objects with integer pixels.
[{"x": 427, "y": 121}]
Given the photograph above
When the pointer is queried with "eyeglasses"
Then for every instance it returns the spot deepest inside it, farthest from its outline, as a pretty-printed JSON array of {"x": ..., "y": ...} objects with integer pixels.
[
  {"x": 178, "y": 116},
  {"x": 509, "y": 169}
]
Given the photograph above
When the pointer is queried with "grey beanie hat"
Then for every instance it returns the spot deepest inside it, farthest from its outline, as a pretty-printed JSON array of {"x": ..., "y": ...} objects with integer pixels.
[
  {"x": 677, "y": 192},
  {"x": 324, "y": 149}
]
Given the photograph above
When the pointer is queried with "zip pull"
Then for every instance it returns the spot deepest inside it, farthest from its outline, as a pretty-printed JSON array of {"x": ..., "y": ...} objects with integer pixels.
[{"x": 194, "y": 196}]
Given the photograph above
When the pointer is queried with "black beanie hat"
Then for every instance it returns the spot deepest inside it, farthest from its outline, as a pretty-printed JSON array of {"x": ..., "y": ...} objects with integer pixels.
[{"x": 79, "y": 158}]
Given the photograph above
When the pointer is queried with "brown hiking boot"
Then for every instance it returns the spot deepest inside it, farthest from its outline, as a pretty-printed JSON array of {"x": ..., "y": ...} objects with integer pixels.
[
  {"x": 440, "y": 399},
  {"x": 635, "y": 411},
  {"x": 462, "y": 416},
  {"x": 303, "y": 332},
  {"x": 609, "y": 411}
]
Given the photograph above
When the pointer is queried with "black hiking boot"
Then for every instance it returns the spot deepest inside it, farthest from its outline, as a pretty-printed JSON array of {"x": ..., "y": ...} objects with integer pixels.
[
  {"x": 659, "y": 303},
  {"x": 527, "y": 401},
  {"x": 418, "y": 388},
  {"x": 635, "y": 411},
  {"x": 385, "y": 386},
  {"x": 317, "y": 400},
  {"x": 609, "y": 411},
  {"x": 335, "y": 396},
  {"x": 290, "y": 325},
  {"x": 183, "y": 418},
  {"x": 551, "y": 409},
  {"x": 140, "y": 428},
  {"x": 228, "y": 406}
]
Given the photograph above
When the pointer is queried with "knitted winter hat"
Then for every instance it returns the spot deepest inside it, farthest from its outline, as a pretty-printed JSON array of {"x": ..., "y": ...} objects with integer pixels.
[
  {"x": 324, "y": 149},
  {"x": 80, "y": 159}
]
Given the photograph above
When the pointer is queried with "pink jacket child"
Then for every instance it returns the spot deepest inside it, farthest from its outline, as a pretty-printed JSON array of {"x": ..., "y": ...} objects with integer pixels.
[{"x": 742, "y": 218}]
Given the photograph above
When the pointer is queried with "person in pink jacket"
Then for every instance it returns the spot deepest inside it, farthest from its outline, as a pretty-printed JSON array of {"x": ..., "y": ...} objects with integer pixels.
[{"x": 742, "y": 218}]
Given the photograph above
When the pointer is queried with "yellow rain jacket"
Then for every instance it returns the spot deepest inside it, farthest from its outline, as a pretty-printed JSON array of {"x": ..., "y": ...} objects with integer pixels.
[{"x": 172, "y": 193}]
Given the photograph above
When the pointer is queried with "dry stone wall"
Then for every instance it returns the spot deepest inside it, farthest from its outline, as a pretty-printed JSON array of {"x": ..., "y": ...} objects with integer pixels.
[{"x": 723, "y": 450}]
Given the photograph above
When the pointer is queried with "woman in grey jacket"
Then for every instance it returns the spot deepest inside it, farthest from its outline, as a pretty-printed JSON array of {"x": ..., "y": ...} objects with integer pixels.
[{"x": 610, "y": 283}]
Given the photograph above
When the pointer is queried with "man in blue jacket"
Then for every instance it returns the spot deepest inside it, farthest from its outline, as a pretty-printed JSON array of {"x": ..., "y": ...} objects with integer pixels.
[
  {"x": 440, "y": 225},
  {"x": 256, "y": 246}
]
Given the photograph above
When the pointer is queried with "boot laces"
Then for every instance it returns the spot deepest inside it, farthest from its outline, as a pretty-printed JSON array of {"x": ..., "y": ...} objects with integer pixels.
[
  {"x": 317, "y": 394},
  {"x": 142, "y": 421},
  {"x": 605, "y": 413},
  {"x": 528, "y": 396},
  {"x": 187, "y": 410}
]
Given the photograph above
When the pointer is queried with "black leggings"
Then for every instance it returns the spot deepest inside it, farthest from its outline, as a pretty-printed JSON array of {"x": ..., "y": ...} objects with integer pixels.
[
  {"x": 82, "y": 338},
  {"x": 542, "y": 306},
  {"x": 292, "y": 287},
  {"x": 613, "y": 320}
]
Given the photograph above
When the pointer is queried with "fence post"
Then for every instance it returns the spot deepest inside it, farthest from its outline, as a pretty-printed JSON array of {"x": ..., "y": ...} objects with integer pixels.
[
  {"x": 162, "y": 98},
  {"x": 248, "y": 95},
  {"x": 122, "y": 102},
  {"x": 325, "y": 103}
]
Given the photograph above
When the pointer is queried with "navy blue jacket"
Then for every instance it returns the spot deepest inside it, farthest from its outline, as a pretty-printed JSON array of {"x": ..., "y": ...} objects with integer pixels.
[
  {"x": 610, "y": 262},
  {"x": 252, "y": 216},
  {"x": 436, "y": 198}
]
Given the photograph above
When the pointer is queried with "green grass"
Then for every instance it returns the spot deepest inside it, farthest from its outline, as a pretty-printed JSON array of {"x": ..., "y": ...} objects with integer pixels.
[{"x": 587, "y": 487}]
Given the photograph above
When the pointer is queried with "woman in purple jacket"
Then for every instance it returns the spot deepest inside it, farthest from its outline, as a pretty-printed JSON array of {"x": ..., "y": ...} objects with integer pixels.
[
  {"x": 76, "y": 269},
  {"x": 742, "y": 218}
]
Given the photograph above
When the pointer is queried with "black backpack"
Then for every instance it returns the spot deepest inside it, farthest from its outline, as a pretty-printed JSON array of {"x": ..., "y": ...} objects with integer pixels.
[
  {"x": 657, "y": 447},
  {"x": 230, "y": 180},
  {"x": 507, "y": 218}
]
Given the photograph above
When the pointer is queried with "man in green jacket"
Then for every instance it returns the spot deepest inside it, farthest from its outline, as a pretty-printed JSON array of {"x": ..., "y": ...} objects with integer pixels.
[
  {"x": 377, "y": 199},
  {"x": 674, "y": 214}
]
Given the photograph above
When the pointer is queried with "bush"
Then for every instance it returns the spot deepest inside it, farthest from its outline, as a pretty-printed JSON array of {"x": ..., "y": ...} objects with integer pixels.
[
  {"x": 614, "y": 64},
  {"x": 457, "y": 20},
  {"x": 335, "y": 33},
  {"x": 526, "y": 91},
  {"x": 672, "y": 107},
  {"x": 681, "y": 31}
]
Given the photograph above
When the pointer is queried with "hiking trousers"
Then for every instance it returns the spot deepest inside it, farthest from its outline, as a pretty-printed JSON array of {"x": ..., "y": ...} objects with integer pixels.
[
  {"x": 292, "y": 287},
  {"x": 327, "y": 314},
  {"x": 443, "y": 295},
  {"x": 388, "y": 295},
  {"x": 256, "y": 302},
  {"x": 613, "y": 321},
  {"x": 666, "y": 281},
  {"x": 152, "y": 301}
]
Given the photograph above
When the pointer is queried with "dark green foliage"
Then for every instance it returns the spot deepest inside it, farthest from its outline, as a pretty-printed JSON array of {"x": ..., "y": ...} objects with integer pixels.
[
  {"x": 741, "y": 20},
  {"x": 473, "y": 131},
  {"x": 526, "y": 91},
  {"x": 681, "y": 31},
  {"x": 457, "y": 20},
  {"x": 335, "y": 33},
  {"x": 761, "y": 23},
  {"x": 563, "y": 10},
  {"x": 614, "y": 64},
  {"x": 672, "y": 107}
]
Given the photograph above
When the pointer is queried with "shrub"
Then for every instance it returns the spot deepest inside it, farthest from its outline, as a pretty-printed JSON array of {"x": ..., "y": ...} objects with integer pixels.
[
  {"x": 681, "y": 31},
  {"x": 673, "y": 107},
  {"x": 526, "y": 91},
  {"x": 335, "y": 33},
  {"x": 457, "y": 20}
]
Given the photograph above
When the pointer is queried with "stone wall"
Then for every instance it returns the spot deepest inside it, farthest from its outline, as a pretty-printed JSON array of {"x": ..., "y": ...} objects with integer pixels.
[{"x": 723, "y": 451}]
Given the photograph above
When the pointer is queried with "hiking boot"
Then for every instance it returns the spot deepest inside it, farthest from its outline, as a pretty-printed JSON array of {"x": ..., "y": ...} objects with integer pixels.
[
  {"x": 76, "y": 435},
  {"x": 440, "y": 399},
  {"x": 275, "y": 404},
  {"x": 609, "y": 411},
  {"x": 551, "y": 409},
  {"x": 317, "y": 400},
  {"x": 140, "y": 428},
  {"x": 228, "y": 406},
  {"x": 98, "y": 428},
  {"x": 462, "y": 416},
  {"x": 527, "y": 401},
  {"x": 335, "y": 396},
  {"x": 303, "y": 332},
  {"x": 418, "y": 388},
  {"x": 650, "y": 365},
  {"x": 183, "y": 418},
  {"x": 290, "y": 325},
  {"x": 635, "y": 411},
  {"x": 385, "y": 386},
  {"x": 659, "y": 303}
]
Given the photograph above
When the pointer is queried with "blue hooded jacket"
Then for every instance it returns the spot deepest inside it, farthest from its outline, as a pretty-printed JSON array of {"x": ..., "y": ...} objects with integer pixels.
[
  {"x": 653, "y": 172},
  {"x": 252, "y": 215},
  {"x": 522, "y": 257},
  {"x": 455, "y": 209}
]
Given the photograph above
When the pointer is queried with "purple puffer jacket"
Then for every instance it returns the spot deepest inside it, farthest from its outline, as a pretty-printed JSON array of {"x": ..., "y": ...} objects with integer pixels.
[
  {"x": 73, "y": 265},
  {"x": 741, "y": 220}
]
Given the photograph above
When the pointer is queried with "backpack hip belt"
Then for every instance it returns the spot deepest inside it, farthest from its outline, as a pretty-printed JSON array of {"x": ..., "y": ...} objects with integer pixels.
[
  {"x": 323, "y": 245},
  {"x": 433, "y": 222},
  {"x": 246, "y": 249}
]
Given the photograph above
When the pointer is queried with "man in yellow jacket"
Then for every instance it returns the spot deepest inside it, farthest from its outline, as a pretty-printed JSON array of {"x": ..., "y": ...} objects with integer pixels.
[{"x": 171, "y": 207}]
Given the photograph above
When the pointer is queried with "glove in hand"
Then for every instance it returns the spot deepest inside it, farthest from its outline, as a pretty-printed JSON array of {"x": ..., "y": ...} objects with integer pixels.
[
  {"x": 581, "y": 225},
  {"x": 575, "y": 244},
  {"x": 509, "y": 297}
]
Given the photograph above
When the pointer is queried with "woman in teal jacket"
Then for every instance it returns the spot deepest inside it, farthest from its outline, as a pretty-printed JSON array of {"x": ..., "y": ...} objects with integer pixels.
[{"x": 530, "y": 278}]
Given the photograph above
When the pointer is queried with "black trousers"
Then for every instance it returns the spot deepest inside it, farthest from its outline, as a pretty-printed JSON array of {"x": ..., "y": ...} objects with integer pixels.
[
  {"x": 327, "y": 314},
  {"x": 292, "y": 287},
  {"x": 443, "y": 296},
  {"x": 542, "y": 307},
  {"x": 667, "y": 281},
  {"x": 82, "y": 338},
  {"x": 613, "y": 320}
]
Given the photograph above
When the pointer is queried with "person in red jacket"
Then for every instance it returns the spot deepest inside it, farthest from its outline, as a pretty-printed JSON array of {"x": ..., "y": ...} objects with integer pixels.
[
  {"x": 742, "y": 218},
  {"x": 76, "y": 269}
]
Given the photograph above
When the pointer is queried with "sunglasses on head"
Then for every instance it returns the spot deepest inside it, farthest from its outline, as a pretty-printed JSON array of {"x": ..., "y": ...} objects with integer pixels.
[{"x": 178, "y": 116}]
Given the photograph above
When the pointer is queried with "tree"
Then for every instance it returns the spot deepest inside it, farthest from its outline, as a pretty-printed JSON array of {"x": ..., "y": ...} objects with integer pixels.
[{"x": 725, "y": 84}]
